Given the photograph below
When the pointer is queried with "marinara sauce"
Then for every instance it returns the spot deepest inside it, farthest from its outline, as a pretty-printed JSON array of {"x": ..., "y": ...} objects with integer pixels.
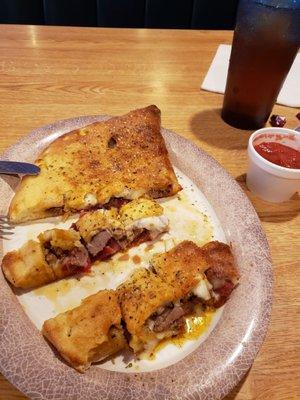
[{"x": 279, "y": 154}]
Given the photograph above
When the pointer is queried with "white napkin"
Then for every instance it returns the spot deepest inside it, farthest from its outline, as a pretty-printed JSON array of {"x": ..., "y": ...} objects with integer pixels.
[{"x": 215, "y": 79}]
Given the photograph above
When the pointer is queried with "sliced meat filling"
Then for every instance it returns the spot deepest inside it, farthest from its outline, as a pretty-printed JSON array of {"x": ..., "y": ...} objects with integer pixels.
[
  {"x": 73, "y": 261},
  {"x": 116, "y": 202},
  {"x": 141, "y": 237},
  {"x": 98, "y": 242},
  {"x": 171, "y": 317},
  {"x": 78, "y": 259},
  {"x": 103, "y": 245}
]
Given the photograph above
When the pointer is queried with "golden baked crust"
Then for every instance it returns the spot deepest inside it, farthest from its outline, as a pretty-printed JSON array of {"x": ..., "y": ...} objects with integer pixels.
[
  {"x": 27, "y": 267},
  {"x": 91, "y": 222},
  {"x": 88, "y": 333},
  {"x": 220, "y": 261},
  {"x": 140, "y": 296},
  {"x": 63, "y": 238},
  {"x": 139, "y": 208},
  {"x": 125, "y": 224},
  {"x": 35, "y": 264},
  {"x": 123, "y": 157},
  {"x": 56, "y": 244},
  {"x": 181, "y": 267}
]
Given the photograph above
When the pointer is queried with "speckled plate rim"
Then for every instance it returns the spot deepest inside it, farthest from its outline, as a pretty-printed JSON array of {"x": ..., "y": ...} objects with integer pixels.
[{"x": 217, "y": 365}]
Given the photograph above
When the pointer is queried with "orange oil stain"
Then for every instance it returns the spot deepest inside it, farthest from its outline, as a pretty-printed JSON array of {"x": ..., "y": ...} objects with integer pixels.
[
  {"x": 58, "y": 292},
  {"x": 136, "y": 259},
  {"x": 56, "y": 289},
  {"x": 195, "y": 327},
  {"x": 124, "y": 257}
]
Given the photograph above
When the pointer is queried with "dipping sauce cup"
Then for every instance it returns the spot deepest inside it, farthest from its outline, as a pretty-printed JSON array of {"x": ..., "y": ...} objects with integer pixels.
[{"x": 266, "y": 179}]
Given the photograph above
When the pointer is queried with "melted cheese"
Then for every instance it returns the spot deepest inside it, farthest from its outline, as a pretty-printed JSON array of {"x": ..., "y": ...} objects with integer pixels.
[
  {"x": 130, "y": 194},
  {"x": 159, "y": 223},
  {"x": 90, "y": 199},
  {"x": 202, "y": 290}
]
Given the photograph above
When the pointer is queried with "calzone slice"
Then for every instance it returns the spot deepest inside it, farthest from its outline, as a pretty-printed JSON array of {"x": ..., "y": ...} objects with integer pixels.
[
  {"x": 88, "y": 333},
  {"x": 121, "y": 158}
]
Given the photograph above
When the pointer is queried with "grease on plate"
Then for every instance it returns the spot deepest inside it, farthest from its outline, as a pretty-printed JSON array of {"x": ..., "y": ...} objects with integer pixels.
[{"x": 195, "y": 326}]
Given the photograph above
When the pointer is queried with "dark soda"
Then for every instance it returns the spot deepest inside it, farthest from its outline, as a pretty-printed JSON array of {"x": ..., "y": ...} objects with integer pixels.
[{"x": 266, "y": 41}]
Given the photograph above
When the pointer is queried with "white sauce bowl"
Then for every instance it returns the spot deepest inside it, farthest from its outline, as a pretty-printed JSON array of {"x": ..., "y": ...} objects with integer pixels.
[{"x": 269, "y": 181}]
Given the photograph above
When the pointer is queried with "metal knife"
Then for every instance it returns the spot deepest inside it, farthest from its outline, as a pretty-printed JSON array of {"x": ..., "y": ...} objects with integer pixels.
[{"x": 19, "y": 168}]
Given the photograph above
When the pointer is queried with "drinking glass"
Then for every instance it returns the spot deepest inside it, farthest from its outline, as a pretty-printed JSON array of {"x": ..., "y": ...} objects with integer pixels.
[{"x": 265, "y": 43}]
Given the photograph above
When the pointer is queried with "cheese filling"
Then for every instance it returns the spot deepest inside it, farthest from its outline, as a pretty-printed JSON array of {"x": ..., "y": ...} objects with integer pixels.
[
  {"x": 155, "y": 225},
  {"x": 130, "y": 194},
  {"x": 90, "y": 199},
  {"x": 202, "y": 290}
]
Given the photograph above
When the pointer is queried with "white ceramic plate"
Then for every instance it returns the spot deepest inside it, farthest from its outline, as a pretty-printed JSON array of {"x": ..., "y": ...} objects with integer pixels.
[{"x": 200, "y": 369}]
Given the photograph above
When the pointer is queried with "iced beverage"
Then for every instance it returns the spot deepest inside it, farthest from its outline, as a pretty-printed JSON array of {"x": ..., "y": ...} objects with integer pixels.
[{"x": 266, "y": 41}]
